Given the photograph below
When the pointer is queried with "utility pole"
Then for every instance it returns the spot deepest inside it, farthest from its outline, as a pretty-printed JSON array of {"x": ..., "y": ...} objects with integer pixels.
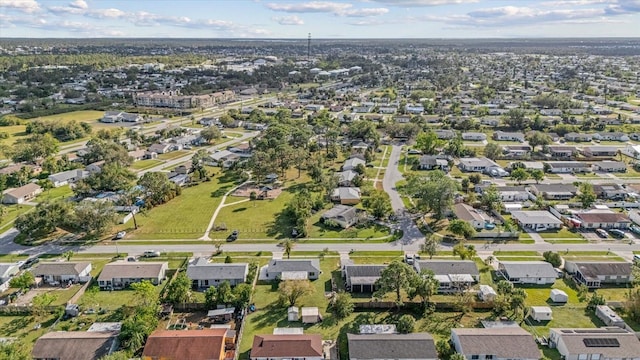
[{"x": 309, "y": 48}]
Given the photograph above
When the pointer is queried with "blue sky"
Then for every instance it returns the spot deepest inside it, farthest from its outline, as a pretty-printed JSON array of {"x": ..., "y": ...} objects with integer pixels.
[{"x": 323, "y": 19}]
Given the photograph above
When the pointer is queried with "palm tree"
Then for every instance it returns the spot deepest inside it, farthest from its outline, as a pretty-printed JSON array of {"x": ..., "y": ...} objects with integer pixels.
[
  {"x": 253, "y": 196},
  {"x": 287, "y": 246}
]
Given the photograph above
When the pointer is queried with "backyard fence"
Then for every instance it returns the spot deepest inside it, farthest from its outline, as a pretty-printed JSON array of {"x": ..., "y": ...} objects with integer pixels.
[{"x": 80, "y": 292}]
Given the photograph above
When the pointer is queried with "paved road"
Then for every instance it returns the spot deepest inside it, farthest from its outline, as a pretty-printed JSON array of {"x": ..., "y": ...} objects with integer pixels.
[{"x": 392, "y": 175}]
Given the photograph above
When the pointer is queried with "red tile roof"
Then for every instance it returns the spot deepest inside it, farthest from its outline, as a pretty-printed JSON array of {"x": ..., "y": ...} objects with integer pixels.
[{"x": 289, "y": 346}]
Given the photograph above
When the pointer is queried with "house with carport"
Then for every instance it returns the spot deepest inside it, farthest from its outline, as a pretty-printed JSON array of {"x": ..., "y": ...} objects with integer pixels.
[
  {"x": 362, "y": 278},
  {"x": 595, "y": 274},
  {"x": 204, "y": 274},
  {"x": 528, "y": 272}
]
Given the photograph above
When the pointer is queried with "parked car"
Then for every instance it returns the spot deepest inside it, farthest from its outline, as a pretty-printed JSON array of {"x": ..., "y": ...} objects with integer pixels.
[
  {"x": 151, "y": 253},
  {"x": 635, "y": 229},
  {"x": 616, "y": 233},
  {"x": 29, "y": 263},
  {"x": 120, "y": 235},
  {"x": 602, "y": 233},
  {"x": 233, "y": 236}
]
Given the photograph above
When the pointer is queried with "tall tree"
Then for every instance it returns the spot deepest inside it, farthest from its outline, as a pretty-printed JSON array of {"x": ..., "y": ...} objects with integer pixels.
[
  {"x": 378, "y": 204},
  {"x": 424, "y": 286},
  {"x": 586, "y": 195},
  {"x": 492, "y": 151},
  {"x": 428, "y": 142},
  {"x": 211, "y": 133},
  {"x": 292, "y": 290},
  {"x": 435, "y": 192},
  {"x": 179, "y": 290},
  {"x": 519, "y": 175},
  {"x": 393, "y": 279},
  {"x": 461, "y": 228},
  {"x": 536, "y": 138},
  {"x": 430, "y": 245},
  {"x": 95, "y": 218}
]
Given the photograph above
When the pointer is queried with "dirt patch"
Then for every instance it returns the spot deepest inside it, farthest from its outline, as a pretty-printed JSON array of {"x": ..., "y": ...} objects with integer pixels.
[
  {"x": 191, "y": 321},
  {"x": 264, "y": 192}
]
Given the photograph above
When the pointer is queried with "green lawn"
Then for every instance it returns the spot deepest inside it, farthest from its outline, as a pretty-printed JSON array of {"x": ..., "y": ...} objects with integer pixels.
[
  {"x": 55, "y": 193},
  {"x": 563, "y": 233},
  {"x": 173, "y": 155},
  {"x": 24, "y": 327},
  {"x": 516, "y": 253},
  {"x": 15, "y": 132},
  {"x": 89, "y": 116},
  {"x": 13, "y": 211},
  {"x": 167, "y": 221},
  {"x": 145, "y": 164}
]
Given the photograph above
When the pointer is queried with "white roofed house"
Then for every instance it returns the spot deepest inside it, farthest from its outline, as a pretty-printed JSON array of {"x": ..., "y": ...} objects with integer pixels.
[
  {"x": 160, "y": 148},
  {"x": 610, "y": 343},
  {"x": 610, "y": 166},
  {"x": 346, "y": 195},
  {"x": 452, "y": 275},
  {"x": 600, "y": 151},
  {"x": 540, "y": 220},
  {"x": 567, "y": 167},
  {"x": 476, "y": 164},
  {"x": 554, "y": 191},
  {"x": 561, "y": 151},
  {"x": 346, "y": 178},
  {"x": 120, "y": 274},
  {"x": 352, "y": 163},
  {"x": 508, "y": 136},
  {"x": 62, "y": 272},
  {"x": 528, "y": 272},
  {"x": 67, "y": 177},
  {"x": 632, "y": 151},
  {"x": 474, "y": 136},
  {"x": 594, "y": 274},
  {"x": 204, "y": 274},
  {"x": 344, "y": 215}
]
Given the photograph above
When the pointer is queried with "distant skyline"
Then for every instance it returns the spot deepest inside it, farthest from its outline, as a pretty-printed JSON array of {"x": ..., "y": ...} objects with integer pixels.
[{"x": 323, "y": 19}]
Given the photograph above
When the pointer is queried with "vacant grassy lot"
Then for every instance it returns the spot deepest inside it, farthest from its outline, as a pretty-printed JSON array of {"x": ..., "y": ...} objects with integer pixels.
[
  {"x": 145, "y": 164},
  {"x": 167, "y": 221},
  {"x": 89, "y": 116},
  {"x": 173, "y": 155}
]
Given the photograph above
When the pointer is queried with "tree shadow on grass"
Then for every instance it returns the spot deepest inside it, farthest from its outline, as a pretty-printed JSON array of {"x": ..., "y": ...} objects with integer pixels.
[
  {"x": 16, "y": 325},
  {"x": 281, "y": 227},
  {"x": 239, "y": 209},
  {"x": 221, "y": 191}
]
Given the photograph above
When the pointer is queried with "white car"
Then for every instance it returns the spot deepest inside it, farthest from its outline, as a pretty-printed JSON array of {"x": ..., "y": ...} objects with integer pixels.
[
  {"x": 151, "y": 253},
  {"x": 121, "y": 234}
]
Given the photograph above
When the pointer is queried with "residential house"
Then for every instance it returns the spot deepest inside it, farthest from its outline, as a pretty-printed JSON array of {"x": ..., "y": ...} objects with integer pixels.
[
  {"x": 416, "y": 346},
  {"x": 610, "y": 166},
  {"x": 402, "y": 119},
  {"x": 611, "y": 136},
  {"x": 118, "y": 275},
  {"x": 567, "y": 167},
  {"x": 7, "y": 271},
  {"x": 362, "y": 278},
  {"x": 609, "y": 343},
  {"x": 343, "y": 215},
  {"x": 286, "y": 347},
  {"x": 22, "y": 194},
  {"x": 346, "y": 178},
  {"x": 492, "y": 122},
  {"x": 203, "y": 344},
  {"x": 204, "y": 274},
  {"x": 594, "y": 274},
  {"x": 67, "y": 177},
  {"x": 63, "y": 272},
  {"x": 516, "y": 150},
  {"x": 610, "y": 191},
  {"x": 352, "y": 163},
  {"x": 95, "y": 167},
  {"x": 554, "y": 191},
  {"x": 599, "y": 151},
  {"x": 508, "y": 136},
  {"x": 527, "y": 165},
  {"x": 496, "y": 343},
  {"x": 431, "y": 162},
  {"x": 285, "y": 269},
  {"x": 75, "y": 345},
  {"x": 540, "y": 220},
  {"x": 474, "y": 136},
  {"x": 508, "y": 193},
  {"x": 119, "y": 116},
  {"x": 632, "y": 151},
  {"x": 14, "y": 168},
  {"x": 578, "y": 137},
  {"x": 138, "y": 155},
  {"x": 346, "y": 195},
  {"x": 603, "y": 220},
  {"x": 467, "y": 213},
  {"x": 387, "y": 110},
  {"x": 561, "y": 151},
  {"x": 160, "y": 148},
  {"x": 528, "y": 272},
  {"x": 475, "y": 164},
  {"x": 445, "y": 134},
  {"x": 414, "y": 109},
  {"x": 452, "y": 275}
]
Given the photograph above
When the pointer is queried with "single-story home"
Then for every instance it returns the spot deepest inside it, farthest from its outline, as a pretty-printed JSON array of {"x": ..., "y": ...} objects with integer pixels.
[
  {"x": 445, "y": 134},
  {"x": 495, "y": 343},
  {"x": 67, "y": 177},
  {"x": 611, "y": 136},
  {"x": 362, "y": 278},
  {"x": 508, "y": 136},
  {"x": 286, "y": 269},
  {"x": 118, "y": 275},
  {"x": 594, "y": 274},
  {"x": 22, "y": 194},
  {"x": 610, "y": 166},
  {"x": 600, "y": 151},
  {"x": 632, "y": 151},
  {"x": 508, "y": 193},
  {"x": 603, "y": 220},
  {"x": 285, "y": 347},
  {"x": 416, "y": 346},
  {"x": 567, "y": 167},
  {"x": 346, "y": 178},
  {"x": 72, "y": 345},
  {"x": 346, "y": 195},
  {"x": 608, "y": 343},
  {"x": 160, "y": 148},
  {"x": 561, "y": 151},
  {"x": 554, "y": 191},
  {"x": 344, "y": 215},
  {"x": 63, "y": 272},
  {"x": 528, "y": 272},
  {"x": 352, "y": 163},
  {"x": 467, "y": 213},
  {"x": 474, "y": 136},
  {"x": 578, "y": 137},
  {"x": 431, "y": 162},
  {"x": 516, "y": 150},
  {"x": 204, "y": 274},
  {"x": 452, "y": 275},
  {"x": 540, "y": 220},
  {"x": 475, "y": 164},
  {"x": 204, "y": 344}
]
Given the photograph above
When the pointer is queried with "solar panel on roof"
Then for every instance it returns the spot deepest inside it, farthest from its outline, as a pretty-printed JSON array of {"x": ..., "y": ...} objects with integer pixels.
[{"x": 601, "y": 342}]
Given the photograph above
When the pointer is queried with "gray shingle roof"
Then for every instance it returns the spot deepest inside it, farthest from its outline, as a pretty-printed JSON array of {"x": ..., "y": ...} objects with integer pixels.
[
  {"x": 506, "y": 343},
  {"x": 595, "y": 269},
  {"x": 60, "y": 268},
  {"x": 138, "y": 269},
  {"x": 448, "y": 267},
  {"x": 574, "y": 342},
  {"x": 528, "y": 269},
  {"x": 280, "y": 265},
  {"x": 203, "y": 270},
  {"x": 392, "y": 346}
]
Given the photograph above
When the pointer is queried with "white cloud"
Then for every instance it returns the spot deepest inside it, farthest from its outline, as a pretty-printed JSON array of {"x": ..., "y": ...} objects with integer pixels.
[
  {"x": 79, "y": 4},
  {"x": 106, "y": 13},
  {"x": 288, "y": 20},
  {"x": 416, "y": 3},
  {"x": 27, "y": 6},
  {"x": 339, "y": 9}
]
